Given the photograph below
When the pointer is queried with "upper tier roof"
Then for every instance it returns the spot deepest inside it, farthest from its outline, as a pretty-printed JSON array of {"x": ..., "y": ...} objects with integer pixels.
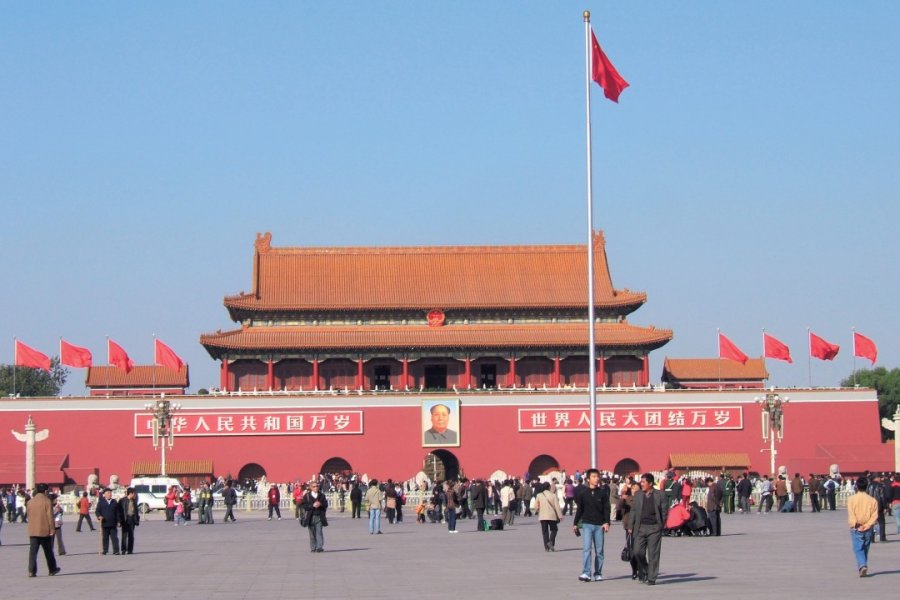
[{"x": 430, "y": 277}]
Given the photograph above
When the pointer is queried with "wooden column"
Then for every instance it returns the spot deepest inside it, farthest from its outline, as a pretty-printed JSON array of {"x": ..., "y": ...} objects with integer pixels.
[
  {"x": 646, "y": 371},
  {"x": 404, "y": 381},
  {"x": 468, "y": 372},
  {"x": 556, "y": 372},
  {"x": 359, "y": 373},
  {"x": 511, "y": 378},
  {"x": 315, "y": 375},
  {"x": 601, "y": 371},
  {"x": 223, "y": 379},
  {"x": 270, "y": 375}
]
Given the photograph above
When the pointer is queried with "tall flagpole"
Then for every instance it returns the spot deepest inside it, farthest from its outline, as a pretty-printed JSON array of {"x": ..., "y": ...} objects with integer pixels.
[
  {"x": 15, "y": 362},
  {"x": 809, "y": 355},
  {"x": 719, "y": 357},
  {"x": 153, "y": 369},
  {"x": 592, "y": 350},
  {"x": 853, "y": 332}
]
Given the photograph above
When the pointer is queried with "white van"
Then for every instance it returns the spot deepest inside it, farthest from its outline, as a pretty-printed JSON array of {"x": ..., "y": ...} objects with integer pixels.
[{"x": 151, "y": 491}]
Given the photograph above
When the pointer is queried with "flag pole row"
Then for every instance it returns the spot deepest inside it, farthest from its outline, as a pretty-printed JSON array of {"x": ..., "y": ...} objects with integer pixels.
[
  {"x": 79, "y": 357},
  {"x": 863, "y": 347}
]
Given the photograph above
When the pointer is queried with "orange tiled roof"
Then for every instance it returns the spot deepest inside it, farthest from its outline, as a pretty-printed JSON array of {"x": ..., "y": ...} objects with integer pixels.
[
  {"x": 178, "y": 467},
  {"x": 451, "y": 336},
  {"x": 712, "y": 369},
  {"x": 140, "y": 376},
  {"x": 710, "y": 459},
  {"x": 450, "y": 277}
]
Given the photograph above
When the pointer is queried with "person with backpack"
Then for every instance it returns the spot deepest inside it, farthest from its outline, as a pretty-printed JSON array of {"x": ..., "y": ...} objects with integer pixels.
[{"x": 84, "y": 512}]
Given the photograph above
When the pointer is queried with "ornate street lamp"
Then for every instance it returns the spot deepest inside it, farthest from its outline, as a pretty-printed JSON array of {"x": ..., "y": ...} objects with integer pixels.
[
  {"x": 772, "y": 421},
  {"x": 163, "y": 434}
]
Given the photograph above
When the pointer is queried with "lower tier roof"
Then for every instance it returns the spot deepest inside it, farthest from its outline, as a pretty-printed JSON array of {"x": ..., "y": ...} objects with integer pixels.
[{"x": 553, "y": 335}]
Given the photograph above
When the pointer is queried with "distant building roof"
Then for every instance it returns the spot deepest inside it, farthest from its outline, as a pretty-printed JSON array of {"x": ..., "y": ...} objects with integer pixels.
[
  {"x": 694, "y": 370},
  {"x": 143, "y": 376}
]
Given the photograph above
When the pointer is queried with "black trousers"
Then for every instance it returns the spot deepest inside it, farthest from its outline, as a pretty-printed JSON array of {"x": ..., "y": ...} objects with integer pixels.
[
  {"x": 647, "y": 547},
  {"x": 47, "y": 544},
  {"x": 110, "y": 533},
  {"x": 798, "y": 502},
  {"x": 814, "y": 501},
  {"x": 127, "y": 537},
  {"x": 715, "y": 522},
  {"x": 479, "y": 512},
  {"x": 355, "y": 508},
  {"x": 548, "y": 531},
  {"x": 229, "y": 512}
]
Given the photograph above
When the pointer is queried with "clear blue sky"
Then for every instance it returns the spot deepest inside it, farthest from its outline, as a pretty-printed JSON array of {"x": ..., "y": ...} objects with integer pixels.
[{"x": 748, "y": 178}]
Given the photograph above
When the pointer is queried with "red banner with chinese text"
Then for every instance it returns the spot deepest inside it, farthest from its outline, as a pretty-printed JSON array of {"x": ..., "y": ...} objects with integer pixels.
[
  {"x": 299, "y": 422},
  {"x": 668, "y": 418}
]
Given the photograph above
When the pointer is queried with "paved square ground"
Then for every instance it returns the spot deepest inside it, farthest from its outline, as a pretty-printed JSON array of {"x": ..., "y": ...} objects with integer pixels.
[{"x": 777, "y": 555}]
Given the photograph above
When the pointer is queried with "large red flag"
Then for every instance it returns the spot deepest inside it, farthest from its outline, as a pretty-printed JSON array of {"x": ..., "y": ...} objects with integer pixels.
[
  {"x": 728, "y": 350},
  {"x": 166, "y": 357},
  {"x": 74, "y": 356},
  {"x": 604, "y": 73},
  {"x": 819, "y": 348},
  {"x": 26, "y": 356},
  {"x": 864, "y": 347},
  {"x": 776, "y": 349},
  {"x": 118, "y": 357}
]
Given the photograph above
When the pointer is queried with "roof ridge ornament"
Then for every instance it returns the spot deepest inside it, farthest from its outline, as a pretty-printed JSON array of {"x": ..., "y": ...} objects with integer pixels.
[{"x": 263, "y": 242}]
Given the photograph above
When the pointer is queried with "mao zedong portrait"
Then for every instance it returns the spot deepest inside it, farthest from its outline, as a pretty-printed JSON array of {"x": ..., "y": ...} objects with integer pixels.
[{"x": 440, "y": 433}]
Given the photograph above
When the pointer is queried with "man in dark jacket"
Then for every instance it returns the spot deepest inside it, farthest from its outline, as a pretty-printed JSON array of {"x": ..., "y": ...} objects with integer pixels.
[
  {"x": 876, "y": 490},
  {"x": 649, "y": 520},
  {"x": 130, "y": 517},
  {"x": 108, "y": 514},
  {"x": 355, "y": 501},
  {"x": 479, "y": 502},
  {"x": 593, "y": 516},
  {"x": 229, "y": 499},
  {"x": 41, "y": 530},
  {"x": 714, "y": 506},
  {"x": 744, "y": 489}
]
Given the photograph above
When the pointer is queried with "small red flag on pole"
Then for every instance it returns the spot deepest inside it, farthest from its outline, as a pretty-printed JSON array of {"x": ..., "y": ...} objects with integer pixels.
[
  {"x": 774, "y": 348},
  {"x": 864, "y": 347},
  {"x": 604, "y": 73},
  {"x": 819, "y": 348},
  {"x": 74, "y": 356},
  {"x": 728, "y": 350},
  {"x": 26, "y": 356},
  {"x": 166, "y": 357},
  {"x": 118, "y": 357}
]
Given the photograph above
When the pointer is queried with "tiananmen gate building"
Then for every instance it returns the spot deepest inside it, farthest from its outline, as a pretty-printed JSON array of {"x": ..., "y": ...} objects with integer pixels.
[{"x": 341, "y": 357}]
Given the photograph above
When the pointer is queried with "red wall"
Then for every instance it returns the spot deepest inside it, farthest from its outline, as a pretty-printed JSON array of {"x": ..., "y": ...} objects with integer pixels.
[{"x": 99, "y": 433}]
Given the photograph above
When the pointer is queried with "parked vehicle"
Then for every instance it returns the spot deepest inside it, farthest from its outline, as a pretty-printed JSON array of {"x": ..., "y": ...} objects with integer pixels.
[{"x": 151, "y": 492}]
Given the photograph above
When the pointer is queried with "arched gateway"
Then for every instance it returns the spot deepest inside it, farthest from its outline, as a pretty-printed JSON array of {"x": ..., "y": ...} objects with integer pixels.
[
  {"x": 441, "y": 465},
  {"x": 543, "y": 464}
]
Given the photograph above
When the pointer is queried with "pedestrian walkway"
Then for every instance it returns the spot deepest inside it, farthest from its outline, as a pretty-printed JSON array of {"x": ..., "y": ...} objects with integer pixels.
[{"x": 256, "y": 558}]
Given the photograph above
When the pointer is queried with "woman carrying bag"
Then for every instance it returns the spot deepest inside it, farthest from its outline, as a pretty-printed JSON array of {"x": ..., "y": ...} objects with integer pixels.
[
  {"x": 549, "y": 513},
  {"x": 314, "y": 506},
  {"x": 624, "y": 505}
]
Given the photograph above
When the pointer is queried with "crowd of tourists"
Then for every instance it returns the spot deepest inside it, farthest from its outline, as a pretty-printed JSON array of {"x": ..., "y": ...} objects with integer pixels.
[{"x": 649, "y": 508}]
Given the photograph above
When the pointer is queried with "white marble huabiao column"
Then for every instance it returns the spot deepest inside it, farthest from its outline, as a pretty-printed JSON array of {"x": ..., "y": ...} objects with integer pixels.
[{"x": 30, "y": 437}]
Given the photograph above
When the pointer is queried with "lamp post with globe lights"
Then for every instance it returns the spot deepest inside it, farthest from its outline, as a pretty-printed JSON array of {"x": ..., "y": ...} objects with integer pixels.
[
  {"x": 163, "y": 433},
  {"x": 772, "y": 405}
]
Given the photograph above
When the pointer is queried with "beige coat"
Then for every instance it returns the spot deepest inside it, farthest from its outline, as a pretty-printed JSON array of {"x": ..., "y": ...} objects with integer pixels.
[
  {"x": 40, "y": 516},
  {"x": 548, "y": 506}
]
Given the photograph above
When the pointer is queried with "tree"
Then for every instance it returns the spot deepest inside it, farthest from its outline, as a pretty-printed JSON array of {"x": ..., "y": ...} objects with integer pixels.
[
  {"x": 886, "y": 383},
  {"x": 33, "y": 382}
]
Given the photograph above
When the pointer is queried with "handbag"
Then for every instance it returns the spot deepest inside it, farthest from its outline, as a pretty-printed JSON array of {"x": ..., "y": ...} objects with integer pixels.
[
  {"x": 304, "y": 520},
  {"x": 324, "y": 521},
  {"x": 626, "y": 551}
]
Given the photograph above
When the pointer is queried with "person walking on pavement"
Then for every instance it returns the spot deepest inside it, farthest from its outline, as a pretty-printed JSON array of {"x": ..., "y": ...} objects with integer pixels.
[
  {"x": 274, "y": 501},
  {"x": 41, "y": 530},
  {"x": 649, "y": 513},
  {"x": 314, "y": 506},
  {"x": 130, "y": 517},
  {"x": 592, "y": 519},
  {"x": 862, "y": 514},
  {"x": 84, "y": 512}
]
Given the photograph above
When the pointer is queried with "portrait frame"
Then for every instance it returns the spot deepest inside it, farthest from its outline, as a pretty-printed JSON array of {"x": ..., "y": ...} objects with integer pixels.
[{"x": 428, "y": 434}]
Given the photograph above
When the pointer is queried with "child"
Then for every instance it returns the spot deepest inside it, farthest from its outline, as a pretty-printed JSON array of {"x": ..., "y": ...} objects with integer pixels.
[
  {"x": 420, "y": 513},
  {"x": 179, "y": 511}
]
